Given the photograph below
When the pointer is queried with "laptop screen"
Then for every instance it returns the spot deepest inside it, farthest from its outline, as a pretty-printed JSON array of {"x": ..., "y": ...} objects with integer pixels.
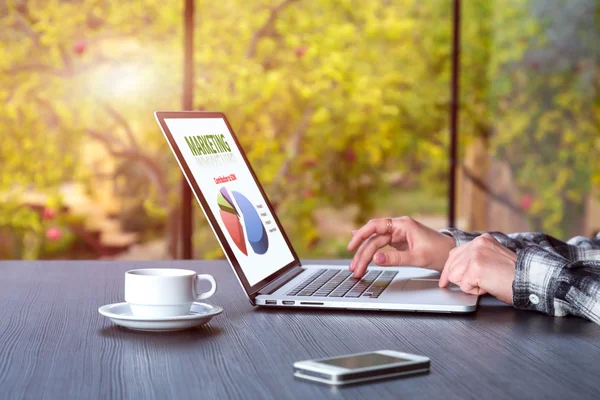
[{"x": 232, "y": 195}]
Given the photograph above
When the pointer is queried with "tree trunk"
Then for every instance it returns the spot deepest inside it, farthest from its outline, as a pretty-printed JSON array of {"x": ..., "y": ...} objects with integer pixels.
[{"x": 475, "y": 200}]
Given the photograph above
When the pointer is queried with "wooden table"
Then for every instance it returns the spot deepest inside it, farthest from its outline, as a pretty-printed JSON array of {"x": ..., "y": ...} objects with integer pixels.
[{"x": 55, "y": 345}]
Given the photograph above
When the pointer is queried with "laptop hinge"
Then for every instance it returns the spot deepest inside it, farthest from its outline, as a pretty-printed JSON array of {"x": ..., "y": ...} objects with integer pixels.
[{"x": 282, "y": 280}]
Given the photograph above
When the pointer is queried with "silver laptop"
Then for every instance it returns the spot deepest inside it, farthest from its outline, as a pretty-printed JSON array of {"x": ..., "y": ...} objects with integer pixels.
[{"x": 257, "y": 247}]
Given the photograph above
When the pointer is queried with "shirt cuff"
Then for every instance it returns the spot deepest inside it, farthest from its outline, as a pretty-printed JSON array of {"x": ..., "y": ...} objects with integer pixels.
[
  {"x": 537, "y": 277},
  {"x": 460, "y": 237}
]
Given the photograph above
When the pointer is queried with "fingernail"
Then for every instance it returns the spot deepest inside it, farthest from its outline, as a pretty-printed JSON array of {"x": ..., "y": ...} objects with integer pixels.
[
  {"x": 380, "y": 258},
  {"x": 352, "y": 266},
  {"x": 354, "y": 232}
]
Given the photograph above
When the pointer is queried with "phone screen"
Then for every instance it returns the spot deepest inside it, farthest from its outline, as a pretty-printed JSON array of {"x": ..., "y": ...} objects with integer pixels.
[{"x": 363, "y": 360}]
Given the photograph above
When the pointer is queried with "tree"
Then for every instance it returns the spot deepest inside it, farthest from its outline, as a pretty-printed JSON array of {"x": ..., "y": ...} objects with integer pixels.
[
  {"x": 326, "y": 96},
  {"x": 67, "y": 67},
  {"x": 541, "y": 111}
]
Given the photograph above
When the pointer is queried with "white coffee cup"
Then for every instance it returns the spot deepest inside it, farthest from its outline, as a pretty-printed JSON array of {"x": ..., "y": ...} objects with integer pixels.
[{"x": 164, "y": 292}]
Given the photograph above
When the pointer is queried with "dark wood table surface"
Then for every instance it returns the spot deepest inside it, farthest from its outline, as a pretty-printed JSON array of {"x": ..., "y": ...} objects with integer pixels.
[{"x": 55, "y": 345}]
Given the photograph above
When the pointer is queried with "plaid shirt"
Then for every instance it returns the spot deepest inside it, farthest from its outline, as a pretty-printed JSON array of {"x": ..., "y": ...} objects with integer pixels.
[{"x": 551, "y": 276}]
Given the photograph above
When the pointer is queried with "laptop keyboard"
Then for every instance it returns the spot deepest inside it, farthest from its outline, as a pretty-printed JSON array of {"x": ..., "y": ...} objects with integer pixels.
[{"x": 340, "y": 283}]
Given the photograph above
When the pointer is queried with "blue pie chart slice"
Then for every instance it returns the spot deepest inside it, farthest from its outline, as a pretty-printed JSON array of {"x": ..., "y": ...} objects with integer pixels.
[{"x": 255, "y": 230}]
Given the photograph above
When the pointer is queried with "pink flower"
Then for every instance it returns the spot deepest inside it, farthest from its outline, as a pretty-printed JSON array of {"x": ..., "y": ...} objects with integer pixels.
[
  {"x": 53, "y": 233},
  {"x": 308, "y": 193},
  {"x": 300, "y": 51},
  {"x": 526, "y": 202},
  {"x": 48, "y": 213},
  {"x": 310, "y": 163},
  {"x": 350, "y": 155},
  {"x": 80, "y": 46}
]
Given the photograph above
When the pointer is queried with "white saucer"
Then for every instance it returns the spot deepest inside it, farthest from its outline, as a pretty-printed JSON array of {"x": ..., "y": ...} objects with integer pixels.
[{"x": 199, "y": 314}]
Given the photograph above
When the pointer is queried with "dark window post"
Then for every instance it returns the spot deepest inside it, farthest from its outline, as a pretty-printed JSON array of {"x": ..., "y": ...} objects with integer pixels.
[
  {"x": 454, "y": 108},
  {"x": 188, "y": 103}
]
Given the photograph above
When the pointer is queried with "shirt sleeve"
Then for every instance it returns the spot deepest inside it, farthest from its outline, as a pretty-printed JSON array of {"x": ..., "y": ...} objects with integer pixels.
[
  {"x": 547, "y": 282},
  {"x": 576, "y": 249},
  {"x": 551, "y": 276}
]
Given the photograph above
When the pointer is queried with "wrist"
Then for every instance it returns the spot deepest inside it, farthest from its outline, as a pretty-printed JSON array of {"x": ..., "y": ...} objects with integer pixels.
[{"x": 449, "y": 241}]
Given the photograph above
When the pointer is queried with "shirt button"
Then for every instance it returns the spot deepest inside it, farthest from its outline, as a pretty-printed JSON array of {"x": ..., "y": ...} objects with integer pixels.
[{"x": 534, "y": 299}]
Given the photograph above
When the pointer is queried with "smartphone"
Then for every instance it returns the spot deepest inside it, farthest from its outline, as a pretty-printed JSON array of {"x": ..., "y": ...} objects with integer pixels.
[{"x": 361, "y": 367}]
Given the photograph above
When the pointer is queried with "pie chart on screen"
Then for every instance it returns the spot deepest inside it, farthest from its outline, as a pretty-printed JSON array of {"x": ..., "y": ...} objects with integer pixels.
[
  {"x": 231, "y": 220},
  {"x": 251, "y": 224}
]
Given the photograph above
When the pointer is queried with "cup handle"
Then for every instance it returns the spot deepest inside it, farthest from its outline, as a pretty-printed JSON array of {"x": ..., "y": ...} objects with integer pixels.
[{"x": 213, "y": 289}]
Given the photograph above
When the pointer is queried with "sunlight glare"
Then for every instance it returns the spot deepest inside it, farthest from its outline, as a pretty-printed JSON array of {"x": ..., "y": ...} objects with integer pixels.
[{"x": 122, "y": 82}]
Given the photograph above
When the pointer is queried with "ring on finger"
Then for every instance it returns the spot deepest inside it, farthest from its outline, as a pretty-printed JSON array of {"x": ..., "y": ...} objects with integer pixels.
[{"x": 389, "y": 223}]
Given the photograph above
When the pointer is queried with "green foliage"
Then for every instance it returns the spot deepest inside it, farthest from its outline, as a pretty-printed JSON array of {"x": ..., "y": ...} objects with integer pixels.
[
  {"x": 327, "y": 96},
  {"x": 67, "y": 67},
  {"x": 541, "y": 111}
]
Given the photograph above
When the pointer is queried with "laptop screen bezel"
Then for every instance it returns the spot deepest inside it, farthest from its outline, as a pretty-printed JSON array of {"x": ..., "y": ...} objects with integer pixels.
[{"x": 251, "y": 290}]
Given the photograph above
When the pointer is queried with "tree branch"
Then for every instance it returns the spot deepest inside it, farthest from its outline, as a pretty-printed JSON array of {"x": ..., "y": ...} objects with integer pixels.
[
  {"x": 483, "y": 186},
  {"x": 108, "y": 139},
  {"x": 119, "y": 118},
  {"x": 296, "y": 141},
  {"x": 32, "y": 68},
  {"x": 266, "y": 27},
  {"x": 155, "y": 175},
  {"x": 66, "y": 59},
  {"x": 53, "y": 118},
  {"x": 68, "y": 72}
]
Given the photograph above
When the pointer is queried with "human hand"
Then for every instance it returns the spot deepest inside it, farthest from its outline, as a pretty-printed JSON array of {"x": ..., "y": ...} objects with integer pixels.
[
  {"x": 482, "y": 266},
  {"x": 415, "y": 244}
]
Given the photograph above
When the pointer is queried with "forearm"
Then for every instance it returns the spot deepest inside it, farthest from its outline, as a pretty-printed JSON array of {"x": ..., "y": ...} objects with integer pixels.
[{"x": 551, "y": 284}]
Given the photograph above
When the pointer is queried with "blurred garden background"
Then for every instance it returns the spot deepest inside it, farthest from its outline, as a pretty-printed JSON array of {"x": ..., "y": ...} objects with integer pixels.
[{"x": 341, "y": 105}]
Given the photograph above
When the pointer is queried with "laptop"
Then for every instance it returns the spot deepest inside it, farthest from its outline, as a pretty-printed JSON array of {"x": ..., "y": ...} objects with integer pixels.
[{"x": 255, "y": 242}]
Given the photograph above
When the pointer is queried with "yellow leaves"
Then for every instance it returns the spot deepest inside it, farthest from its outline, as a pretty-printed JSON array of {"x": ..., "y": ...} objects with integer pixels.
[
  {"x": 548, "y": 122},
  {"x": 390, "y": 110},
  {"x": 271, "y": 84},
  {"x": 305, "y": 91},
  {"x": 321, "y": 116},
  {"x": 27, "y": 144},
  {"x": 21, "y": 218},
  {"x": 154, "y": 210},
  {"x": 561, "y": 179},
  {"x": 564, "y": 99},
  {"x": 574, "y": 195},
  {"x": 63, "y": 111},
  {"x": 10, "y": 110},
  {"x": 267, "y": 46},
  {"x": 569, "y": 136},
  {"x": 435, "y": 152},
  {"x": 596, "y": 179},
  {"x": 398, "y": 29}
]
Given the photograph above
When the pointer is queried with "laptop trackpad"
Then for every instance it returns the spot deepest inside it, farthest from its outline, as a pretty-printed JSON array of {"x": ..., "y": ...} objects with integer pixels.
[{"x": 426, "y": 284}]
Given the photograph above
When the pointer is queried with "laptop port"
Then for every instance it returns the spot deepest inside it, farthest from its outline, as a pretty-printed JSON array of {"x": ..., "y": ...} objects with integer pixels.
[
  {"x": 311, "y": 303},
  {"x": 269, "y": 302},
  {"x": 288, "y": 302}
]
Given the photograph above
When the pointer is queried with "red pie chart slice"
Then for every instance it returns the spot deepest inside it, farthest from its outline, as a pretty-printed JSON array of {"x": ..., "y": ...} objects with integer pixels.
[{"x": 233, "y": 226}]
